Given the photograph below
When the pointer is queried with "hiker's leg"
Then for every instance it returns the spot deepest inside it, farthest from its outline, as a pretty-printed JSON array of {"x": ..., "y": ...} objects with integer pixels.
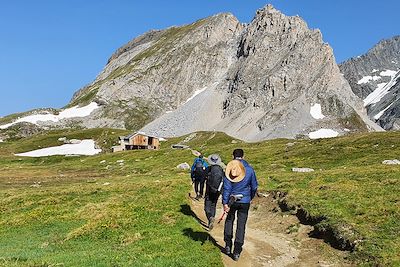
[
  {"x": 201, "y": 187},
  {"x": 228, "y": 229},
  {"x": 208, "y": 206},
  {"x": 242, "y": 214},
  {"x": 213, "y": 204},
  {"x": 196, "y": 187}
]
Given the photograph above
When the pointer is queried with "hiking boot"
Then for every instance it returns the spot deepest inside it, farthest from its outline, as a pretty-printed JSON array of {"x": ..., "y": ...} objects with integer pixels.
[
  {"x": 236, "y": 256},
  {"x": 227, "y": 250},
  {"x": 211, "y": 223}
]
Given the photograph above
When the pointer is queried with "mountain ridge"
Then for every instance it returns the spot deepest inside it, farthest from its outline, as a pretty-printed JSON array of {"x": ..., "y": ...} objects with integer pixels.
[{"x": 257, "y": 81}]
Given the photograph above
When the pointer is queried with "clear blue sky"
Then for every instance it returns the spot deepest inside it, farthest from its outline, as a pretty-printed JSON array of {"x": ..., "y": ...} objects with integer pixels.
[{"x": 51, "y": 48}]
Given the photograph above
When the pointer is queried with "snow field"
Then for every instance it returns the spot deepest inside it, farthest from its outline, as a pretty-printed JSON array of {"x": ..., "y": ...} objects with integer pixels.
[
  {"x": 367, "y": 79},
  {"x": 323, "y": 133},
  {"x": 381, "y": 90},
  {"x": 74, "y": 112},
  {"x": 85, "y": 147}
]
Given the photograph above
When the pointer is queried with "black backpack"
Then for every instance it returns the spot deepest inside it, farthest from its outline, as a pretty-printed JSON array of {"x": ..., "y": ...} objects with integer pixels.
[
  {"x": 199, "y": 170},
  {"x": 215, "y": 177}
]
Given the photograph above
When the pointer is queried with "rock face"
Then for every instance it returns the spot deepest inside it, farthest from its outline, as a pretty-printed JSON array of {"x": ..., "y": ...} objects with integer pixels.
[
  {"x": 273, "y": 77},
  {"x": 160, "y": 70},
  {"x": 374, "y": 77},
  {"x": 280, "y": 70}
]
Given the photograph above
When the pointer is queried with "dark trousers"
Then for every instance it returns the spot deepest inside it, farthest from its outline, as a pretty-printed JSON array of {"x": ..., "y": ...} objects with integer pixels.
[
  {"x": 242, "y": 211},
  {"x": 210, "y": 204},
  {"x": 199, "y": 187}
]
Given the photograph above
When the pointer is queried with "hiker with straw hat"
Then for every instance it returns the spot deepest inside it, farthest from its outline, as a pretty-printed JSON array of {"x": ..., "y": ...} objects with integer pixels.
[
  {"x": 240, "y": 181},
  {"x": 215, "y": 176}
]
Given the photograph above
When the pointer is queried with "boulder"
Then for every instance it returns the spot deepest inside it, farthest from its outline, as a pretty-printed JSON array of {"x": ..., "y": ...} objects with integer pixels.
[
  {"x": 179, "y": 146},
  {"x": 183, "y": 166},
  {"x": 302, "y": 170},
  {"x": 391, "y": 162}
]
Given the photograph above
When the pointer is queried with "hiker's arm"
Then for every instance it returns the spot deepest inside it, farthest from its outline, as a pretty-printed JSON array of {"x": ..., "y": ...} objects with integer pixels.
[
  {"x": 193, "y": 166},
  {"x": 226, "y": 192},
  {"x": 253, "y": 184},
  {"x": 208, "y": 170},
  {"x": 192, "y": 169}
]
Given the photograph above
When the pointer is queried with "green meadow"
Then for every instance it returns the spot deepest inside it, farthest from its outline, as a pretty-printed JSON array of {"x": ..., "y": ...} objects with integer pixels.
[{"x": 99, "y": 211}]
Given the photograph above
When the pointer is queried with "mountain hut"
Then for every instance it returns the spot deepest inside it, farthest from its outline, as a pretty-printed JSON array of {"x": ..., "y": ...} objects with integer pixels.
[{"x": 137, "y": 141}]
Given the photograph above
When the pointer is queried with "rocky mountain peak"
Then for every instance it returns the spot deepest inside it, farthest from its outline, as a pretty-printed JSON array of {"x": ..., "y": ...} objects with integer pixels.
[
  {"x": 281, "y": 70},
  {"x": 269, "y": 8},
  {"x": 274, "y": 21}
]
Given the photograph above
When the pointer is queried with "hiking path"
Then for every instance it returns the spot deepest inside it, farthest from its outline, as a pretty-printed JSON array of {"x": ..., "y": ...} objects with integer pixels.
[{"x": 273, "y": 238}]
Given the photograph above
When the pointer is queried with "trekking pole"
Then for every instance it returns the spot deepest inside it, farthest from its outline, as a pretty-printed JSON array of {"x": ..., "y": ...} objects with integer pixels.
[
  {"x": 232, "y": 199},
  {"x": 222, "y": 217}
]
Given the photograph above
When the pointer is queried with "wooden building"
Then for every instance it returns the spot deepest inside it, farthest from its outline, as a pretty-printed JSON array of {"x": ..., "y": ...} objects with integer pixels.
[{"x": 137, "y": 141}]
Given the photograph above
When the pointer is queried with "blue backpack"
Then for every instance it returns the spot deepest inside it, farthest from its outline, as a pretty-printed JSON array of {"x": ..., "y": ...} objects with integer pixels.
[{"x": 199, "y": 171}]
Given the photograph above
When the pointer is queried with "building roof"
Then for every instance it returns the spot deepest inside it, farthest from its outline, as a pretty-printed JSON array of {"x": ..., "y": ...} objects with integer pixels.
[{"x": 138, "y": 133}]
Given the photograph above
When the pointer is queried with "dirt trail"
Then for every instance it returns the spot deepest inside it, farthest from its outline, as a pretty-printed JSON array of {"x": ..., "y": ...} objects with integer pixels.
[{"x": 274, "y": 239}]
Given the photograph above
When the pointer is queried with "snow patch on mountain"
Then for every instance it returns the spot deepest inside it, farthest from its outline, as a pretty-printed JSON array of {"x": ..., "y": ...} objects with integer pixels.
[
  {"x": 377, "y": 116},
  {"x": 323, "y": 133},
  {"x": 197, "y": 92},
  {"x": 380, "y": 91},
  {"x": 316, "y": 112},
  {"x": 86, "y": 147},
  {"x": 390, "y": 73},
  {"x": 376, "y": 95},
  {"x": 74, "y": 112},
  {"x": 367, "y": 79},
  {"x": 78, "y": 111}
]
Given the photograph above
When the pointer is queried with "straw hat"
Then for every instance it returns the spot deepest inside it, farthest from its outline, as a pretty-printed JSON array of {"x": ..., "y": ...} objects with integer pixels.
[
  {"x": 214, "y": 159},
  {"x": 235, "y": 171}
]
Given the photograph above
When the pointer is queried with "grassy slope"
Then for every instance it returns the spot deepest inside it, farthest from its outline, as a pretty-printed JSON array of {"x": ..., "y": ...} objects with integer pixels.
[{"x": 142, "y": 217}]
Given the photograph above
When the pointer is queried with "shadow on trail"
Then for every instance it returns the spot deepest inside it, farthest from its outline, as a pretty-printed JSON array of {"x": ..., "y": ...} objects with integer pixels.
[
  {"x": 197, "y": 235},
  {"x": 187, "y": 210},
  {"x": 201, "y": 236}
]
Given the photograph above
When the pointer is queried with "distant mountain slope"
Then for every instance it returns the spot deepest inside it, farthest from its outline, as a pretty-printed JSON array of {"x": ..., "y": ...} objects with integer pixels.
[{"x": 374, "y": 77}]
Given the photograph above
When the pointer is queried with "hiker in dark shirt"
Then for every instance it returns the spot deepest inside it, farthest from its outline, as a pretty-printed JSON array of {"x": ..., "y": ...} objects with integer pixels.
[
  {"x": 198, "y": 175},
  {"x": 215, "y": 176},
  {"x": 241, "y": 185}
]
